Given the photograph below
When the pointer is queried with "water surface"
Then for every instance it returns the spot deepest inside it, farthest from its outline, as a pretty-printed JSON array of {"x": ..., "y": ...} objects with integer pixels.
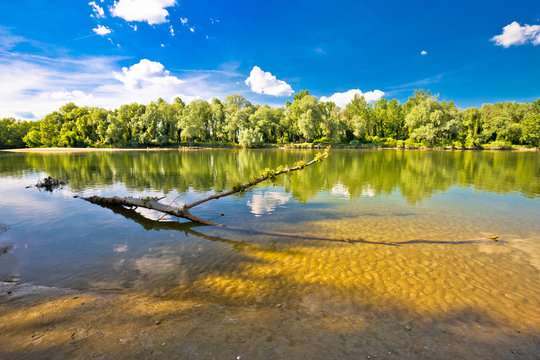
[{"x": 423, "y": 216}]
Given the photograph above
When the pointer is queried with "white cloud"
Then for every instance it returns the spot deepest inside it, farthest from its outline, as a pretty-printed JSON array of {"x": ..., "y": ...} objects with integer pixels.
[
  {"x": 423, "y": 52},
  {"x": 265, "y": 83},
  {"x": 102, "y": 30},
  {"x": 515, "y": 34},
  {"x": 192, "y": 29},
  {"x": 171, "y": 30},
  {"x": 151, "y": 11},
  {"x": 8, "y": 41},
  {"x": 69, "y": 95},
  {"x": 146, "y": 73},
  {"x": 32, "y": 86},
  {"x": 98, "y": 10},
  {"x": 183, "y": 21},
  {"x": 266, "y": 202},
  {"x": 342, "y": 99}
]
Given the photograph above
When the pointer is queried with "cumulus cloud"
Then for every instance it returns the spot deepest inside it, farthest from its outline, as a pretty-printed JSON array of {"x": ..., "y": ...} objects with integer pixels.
[
  {"x": 102, "y": 30},
  {"x": 263, "y": 82},
  {"x": 98, "y": 10},
  {"x": 146, "y": 73},
  {"x": 32, "y": 86},
  {"x": 423, "y": 52},
  {"x": 183, "y": 21},
  {"x": 171, "y": 30},
  {"x": 151, "y": 11},
  {"x": 515, "y": 34},
  {"x": 343, "y": 98},
  {"x": 69, "y": 95}
]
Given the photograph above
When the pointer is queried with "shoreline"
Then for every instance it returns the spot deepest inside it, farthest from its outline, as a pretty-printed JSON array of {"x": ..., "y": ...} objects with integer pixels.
[
  {"x": 49, "y": 322},
  {"x": 271, "y": 147}
]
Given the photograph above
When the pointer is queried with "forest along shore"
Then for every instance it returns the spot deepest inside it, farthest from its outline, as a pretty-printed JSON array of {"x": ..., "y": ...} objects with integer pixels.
[{"x": 424, "y": 120}]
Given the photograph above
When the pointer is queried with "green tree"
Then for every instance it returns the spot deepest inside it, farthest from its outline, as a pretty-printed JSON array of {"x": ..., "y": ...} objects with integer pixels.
[{"x": 195, "y": 119}]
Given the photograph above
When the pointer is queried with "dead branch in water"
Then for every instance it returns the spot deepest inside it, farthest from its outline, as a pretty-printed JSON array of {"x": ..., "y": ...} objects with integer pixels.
[{"x": 183, "y": 212}]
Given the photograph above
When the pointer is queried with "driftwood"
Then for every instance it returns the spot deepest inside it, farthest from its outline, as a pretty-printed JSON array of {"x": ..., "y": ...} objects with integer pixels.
[
  {"x": 183, "y": 212},
  {"x": 49, "y": 184}
]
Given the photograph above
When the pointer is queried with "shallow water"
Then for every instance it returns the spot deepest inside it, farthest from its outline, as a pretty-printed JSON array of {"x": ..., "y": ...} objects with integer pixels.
[{"x": 420, "y": 217}]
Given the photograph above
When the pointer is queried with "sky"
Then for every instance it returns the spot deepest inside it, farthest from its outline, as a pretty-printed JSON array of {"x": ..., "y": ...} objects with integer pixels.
[{"x": 107, "y": 53}]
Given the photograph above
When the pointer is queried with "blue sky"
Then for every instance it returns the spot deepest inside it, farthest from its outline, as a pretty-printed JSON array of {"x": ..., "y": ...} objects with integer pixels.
[{"x": 107, "y": 53}]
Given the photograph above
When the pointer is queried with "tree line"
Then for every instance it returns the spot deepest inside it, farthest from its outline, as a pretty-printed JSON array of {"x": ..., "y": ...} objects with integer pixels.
[{"x": 423, "y": 120}]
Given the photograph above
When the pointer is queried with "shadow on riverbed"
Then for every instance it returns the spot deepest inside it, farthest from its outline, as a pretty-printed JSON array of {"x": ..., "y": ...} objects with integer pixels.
[{"x": 188, "y": 229}]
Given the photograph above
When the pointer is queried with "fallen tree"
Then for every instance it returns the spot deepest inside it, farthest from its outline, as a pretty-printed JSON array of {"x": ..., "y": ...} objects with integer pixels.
[
  {"x": 119, "y": 205},
  {"x": 153, "y": 203}
]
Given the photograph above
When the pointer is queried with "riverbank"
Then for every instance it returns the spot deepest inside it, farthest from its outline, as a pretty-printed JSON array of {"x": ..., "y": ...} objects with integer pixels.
[
  {"x": 203, "y": 146},
  {"x": 39, "y": 322}
]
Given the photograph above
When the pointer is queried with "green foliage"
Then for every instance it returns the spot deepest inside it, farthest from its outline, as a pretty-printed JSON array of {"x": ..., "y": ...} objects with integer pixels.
[
  {"x": 430, "y": 120},
  {"x": 250, "y": 138},
  {"x": 457, "y": 145},
  {"x": 300, "y": 164},
  {"x": 499, "y": 145},
  {"x": 424, "y": 120},
  {"x": 389, "y": 142},
  {"x": 12, "y": 132}
]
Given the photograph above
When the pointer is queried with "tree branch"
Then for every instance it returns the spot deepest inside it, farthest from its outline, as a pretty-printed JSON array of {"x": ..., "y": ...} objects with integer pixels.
[
  {"x": 265, "y": 175},
  {"x": 183, "y": 212}
]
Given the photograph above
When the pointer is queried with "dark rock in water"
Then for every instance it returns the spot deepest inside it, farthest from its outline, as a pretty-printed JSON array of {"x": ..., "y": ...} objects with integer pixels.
[
  {"x": 4, "y": 249},
  {"x": 50, "y": 184}
]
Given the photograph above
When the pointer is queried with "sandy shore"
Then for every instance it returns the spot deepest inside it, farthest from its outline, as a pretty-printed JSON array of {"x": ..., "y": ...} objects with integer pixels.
[{"x": 46, "y": 323}]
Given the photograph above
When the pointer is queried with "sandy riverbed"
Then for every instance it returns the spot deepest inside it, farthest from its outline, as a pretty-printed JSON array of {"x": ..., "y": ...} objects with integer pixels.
[{"x": 203, "y": 323}]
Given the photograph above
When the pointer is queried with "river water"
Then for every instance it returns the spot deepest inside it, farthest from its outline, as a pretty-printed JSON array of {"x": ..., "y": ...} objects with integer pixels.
[{"x": 407, "y": 250}]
